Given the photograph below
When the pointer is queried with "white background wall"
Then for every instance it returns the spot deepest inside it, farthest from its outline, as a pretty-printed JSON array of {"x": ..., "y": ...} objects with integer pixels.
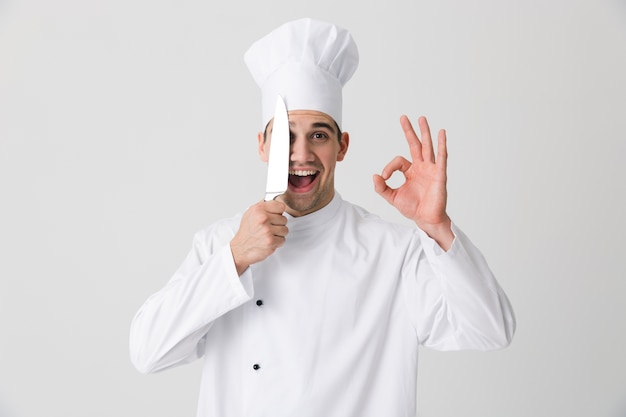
[{"x": 127, "y": 125}]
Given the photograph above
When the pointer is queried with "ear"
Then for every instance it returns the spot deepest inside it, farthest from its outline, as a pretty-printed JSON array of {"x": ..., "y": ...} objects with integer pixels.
[
  {"x": 343, "y": 146},
  {"x": 262, "y": 148}
]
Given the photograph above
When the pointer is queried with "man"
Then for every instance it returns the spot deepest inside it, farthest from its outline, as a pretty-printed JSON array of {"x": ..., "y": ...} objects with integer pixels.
[{"x": 308, "y": 305}]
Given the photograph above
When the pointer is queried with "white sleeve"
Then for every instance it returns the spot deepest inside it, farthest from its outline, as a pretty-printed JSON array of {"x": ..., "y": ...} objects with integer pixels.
[
  {"x": 169, "y": 329},
  {"x": 455, "y": 299}
]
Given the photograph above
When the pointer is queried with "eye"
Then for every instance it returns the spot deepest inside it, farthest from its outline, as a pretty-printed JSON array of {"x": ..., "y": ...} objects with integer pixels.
[{"x": 319, "y": 136}]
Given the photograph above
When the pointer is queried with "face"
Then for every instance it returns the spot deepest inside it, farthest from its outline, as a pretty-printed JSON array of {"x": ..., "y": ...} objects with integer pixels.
[{"x": 314, "y": 153}]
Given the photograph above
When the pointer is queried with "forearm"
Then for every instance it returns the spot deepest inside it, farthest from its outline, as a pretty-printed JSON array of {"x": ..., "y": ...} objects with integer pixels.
[
  {"x": 169, "y": 326},
  {"x": 469, "y": 310}
]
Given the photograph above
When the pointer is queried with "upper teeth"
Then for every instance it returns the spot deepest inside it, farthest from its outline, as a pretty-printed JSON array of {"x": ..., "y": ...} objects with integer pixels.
[{"x": 302, "y": 173}]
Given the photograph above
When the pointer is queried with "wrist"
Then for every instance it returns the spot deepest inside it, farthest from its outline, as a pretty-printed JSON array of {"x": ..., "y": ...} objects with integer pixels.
[
  {"x": 440, "y": 232},
  {"x": 240, "y": 265}
]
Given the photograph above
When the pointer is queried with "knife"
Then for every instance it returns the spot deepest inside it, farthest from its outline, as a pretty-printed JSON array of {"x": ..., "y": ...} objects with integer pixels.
[{"x": 278, "y": 161}]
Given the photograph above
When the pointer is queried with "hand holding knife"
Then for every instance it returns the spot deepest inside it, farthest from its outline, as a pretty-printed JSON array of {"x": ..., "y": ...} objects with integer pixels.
[{"x": 263, "y": 226}]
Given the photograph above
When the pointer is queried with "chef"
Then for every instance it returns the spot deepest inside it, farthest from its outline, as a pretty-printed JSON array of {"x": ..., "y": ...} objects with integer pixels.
[{"x": 308, "y": 305}]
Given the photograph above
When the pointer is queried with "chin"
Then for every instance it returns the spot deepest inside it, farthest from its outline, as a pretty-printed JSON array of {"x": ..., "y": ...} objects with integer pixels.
[{"x": 306, "y": 203}]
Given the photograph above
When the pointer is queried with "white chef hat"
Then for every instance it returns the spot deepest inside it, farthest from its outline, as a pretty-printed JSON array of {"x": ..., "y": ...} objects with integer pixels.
[{"x": 306, "y": 62}]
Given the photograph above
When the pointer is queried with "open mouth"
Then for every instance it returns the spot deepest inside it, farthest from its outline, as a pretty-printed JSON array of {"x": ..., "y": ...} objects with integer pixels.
[{"x": 302, "y": 180}]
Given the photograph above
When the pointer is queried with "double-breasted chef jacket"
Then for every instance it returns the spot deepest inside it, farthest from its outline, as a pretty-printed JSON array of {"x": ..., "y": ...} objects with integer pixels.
[{"x": 329, "y": 325}]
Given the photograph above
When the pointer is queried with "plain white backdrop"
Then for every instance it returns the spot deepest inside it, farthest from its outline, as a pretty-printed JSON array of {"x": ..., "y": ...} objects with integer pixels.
[{"x": 127, "y": 125}]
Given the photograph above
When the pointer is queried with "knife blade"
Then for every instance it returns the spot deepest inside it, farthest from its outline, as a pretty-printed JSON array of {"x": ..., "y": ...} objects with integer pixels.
[{"x": 278, "y": 160}]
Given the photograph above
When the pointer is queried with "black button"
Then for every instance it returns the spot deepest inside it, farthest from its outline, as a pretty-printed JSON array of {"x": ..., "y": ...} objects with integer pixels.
[
  {"x": 259, "y": 302},
  {"x": 256, "y": 366}
]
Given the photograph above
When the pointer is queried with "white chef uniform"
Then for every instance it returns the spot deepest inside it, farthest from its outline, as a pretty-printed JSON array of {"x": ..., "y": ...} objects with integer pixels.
[{"x": 329, "y": 325}]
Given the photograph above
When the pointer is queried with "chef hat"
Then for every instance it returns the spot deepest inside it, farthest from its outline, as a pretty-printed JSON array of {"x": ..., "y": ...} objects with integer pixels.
[{"x": 306, "y": 62}]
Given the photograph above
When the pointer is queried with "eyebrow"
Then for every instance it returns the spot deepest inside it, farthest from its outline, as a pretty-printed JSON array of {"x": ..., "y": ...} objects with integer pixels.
[
  {"x": 323, "y": 125},
  {"x": 319, "y": 125}
]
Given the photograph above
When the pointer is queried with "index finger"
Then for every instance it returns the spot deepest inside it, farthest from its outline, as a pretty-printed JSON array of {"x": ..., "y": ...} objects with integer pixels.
[
  {"x": 415, "y": 146},
  {"x": 274, "y": 206}
]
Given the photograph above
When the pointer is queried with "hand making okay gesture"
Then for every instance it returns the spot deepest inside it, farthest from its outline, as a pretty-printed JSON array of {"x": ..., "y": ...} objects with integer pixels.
[{"x": 423, "y": 196}]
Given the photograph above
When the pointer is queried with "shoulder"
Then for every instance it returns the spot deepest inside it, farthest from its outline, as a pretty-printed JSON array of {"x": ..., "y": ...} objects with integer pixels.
[
  {"x": 217, "y": 233},
  {"x": 371, "y": 223}
]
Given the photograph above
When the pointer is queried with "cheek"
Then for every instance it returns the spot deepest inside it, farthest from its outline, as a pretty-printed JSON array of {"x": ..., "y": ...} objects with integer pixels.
[{"x": 330, "y": 160}]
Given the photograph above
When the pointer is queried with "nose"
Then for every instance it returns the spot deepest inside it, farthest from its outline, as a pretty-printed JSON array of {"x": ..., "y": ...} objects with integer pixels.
[{"x": 300, "y": 150}]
